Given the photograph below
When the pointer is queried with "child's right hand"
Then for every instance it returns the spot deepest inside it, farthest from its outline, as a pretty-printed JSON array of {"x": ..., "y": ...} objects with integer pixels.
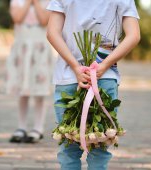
[{"x": 83, "y": 78}]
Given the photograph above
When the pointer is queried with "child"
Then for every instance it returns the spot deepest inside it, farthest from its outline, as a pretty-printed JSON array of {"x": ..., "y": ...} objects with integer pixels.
[
  {"x": 108, "y": 18},
  {"x": 28, "y": 66}
]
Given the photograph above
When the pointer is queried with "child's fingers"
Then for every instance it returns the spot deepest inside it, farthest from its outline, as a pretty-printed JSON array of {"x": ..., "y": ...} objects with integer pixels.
[
  {"x": 87, "y": 77},
  {"x": 88, "y": 73},
  {"x": 98, "y": 75},
  {"x": 84, "y": 80},
  {"x": 85, "y": 86}
]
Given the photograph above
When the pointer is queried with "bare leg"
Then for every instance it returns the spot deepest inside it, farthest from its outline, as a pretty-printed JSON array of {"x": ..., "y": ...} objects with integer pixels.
[
  {"x": 20, "y": 134},
  {"x": 23, "y": 108},
  {"x": 40, "y": 114}
]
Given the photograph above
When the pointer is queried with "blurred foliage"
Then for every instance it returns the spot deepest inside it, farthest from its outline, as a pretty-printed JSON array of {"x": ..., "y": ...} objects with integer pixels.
[
  {"x": 137, "y": 3},
  {"x": 141, "y": 52},
  {"x": 5, "y": 19}
]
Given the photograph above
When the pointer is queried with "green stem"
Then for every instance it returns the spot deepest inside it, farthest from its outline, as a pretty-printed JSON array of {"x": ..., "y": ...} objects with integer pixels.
[
  {"x": 85, "y": 46},
  {"x": 80, "y": 40},
  {"x": 97, "y": 44},
  {"x": 80, "y": 48},
  {"x": 89, "y": 48}
]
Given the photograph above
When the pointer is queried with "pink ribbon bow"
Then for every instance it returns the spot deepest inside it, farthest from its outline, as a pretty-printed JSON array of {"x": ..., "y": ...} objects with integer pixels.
[{"x": 93, "y": 91}]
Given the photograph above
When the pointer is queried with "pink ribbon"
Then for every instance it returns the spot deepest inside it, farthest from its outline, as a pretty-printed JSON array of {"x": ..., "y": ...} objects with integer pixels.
[{"x": 93, "y": 91}]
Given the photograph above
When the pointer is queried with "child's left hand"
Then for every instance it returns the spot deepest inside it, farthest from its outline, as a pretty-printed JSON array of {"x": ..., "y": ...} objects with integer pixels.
[{"x": 101, "y": 70}]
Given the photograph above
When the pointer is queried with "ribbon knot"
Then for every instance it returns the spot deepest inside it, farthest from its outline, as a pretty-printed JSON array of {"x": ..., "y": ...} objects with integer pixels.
[
  {"x": 94, "y": 65},
  {"x": 84, "y": 69}
]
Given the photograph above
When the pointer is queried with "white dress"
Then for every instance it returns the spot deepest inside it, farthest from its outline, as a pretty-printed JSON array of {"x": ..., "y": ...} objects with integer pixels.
[{"x": 29, "y": 63}]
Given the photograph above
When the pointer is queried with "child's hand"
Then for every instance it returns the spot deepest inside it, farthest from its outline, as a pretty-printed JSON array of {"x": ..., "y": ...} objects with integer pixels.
[
  {"x": 29, "y": 1},
  {"x": 101, "y": 70},
  {"x": 83, "y": 78},
  {"x": 34, "y": 1}
]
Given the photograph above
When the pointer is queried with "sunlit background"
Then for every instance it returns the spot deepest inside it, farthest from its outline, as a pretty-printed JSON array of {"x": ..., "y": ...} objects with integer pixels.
[{"x": 146, "y": 4}]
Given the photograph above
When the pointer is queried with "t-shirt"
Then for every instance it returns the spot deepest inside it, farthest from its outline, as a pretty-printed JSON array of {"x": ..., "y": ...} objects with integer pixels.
[{"x": 100, "y": 16}]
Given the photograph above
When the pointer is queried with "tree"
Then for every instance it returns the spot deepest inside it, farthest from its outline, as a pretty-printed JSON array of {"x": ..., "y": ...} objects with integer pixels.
[
  {"x": 137, "y": 2},
  {"x": 143, "y": 51},
  {"x": 5, "y": 19}
]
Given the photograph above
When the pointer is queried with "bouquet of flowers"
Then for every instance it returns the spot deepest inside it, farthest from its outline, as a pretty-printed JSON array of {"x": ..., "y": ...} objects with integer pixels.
[{"x": 89, "y": 118}]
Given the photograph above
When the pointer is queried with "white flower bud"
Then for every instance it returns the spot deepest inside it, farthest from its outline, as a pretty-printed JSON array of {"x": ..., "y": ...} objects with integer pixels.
[
  {"x": 75, "y": 132},
  {"x": 121, "y": 133},
  {"x": 115, "y": 140},
  {"x": 68, "y": 136},
  {"x": 96, "y": 129},
  {"x": 92, "y": 136},
  {"x": 110, "y": 133},
  {"x": 76, "y": 137},
  {"x": 102, "y": 137},
  {"x": 108, "y": 142},
  {"x": 61, "y": 128},
  {"x": 57, "y": 136}
]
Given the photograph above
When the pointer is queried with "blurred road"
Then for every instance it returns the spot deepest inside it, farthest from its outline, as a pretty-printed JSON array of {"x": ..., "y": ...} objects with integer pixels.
[{"x": 134, "y": 152}]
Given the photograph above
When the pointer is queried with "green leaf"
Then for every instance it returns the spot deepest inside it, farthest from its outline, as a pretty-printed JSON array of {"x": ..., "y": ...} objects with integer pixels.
[
  {"x": 113, "y": 114},
  {"x": 92, "y": 109},
  {"x": 100, "y": 126},
  {"x": 70, "y": 105},
  {"x": 107, "y": 103},
  {"x": 66, "y": 116},
  {"x": 115, "y": 103},
  {"x": 66, "y": 96},
  {"x": 61, "y": 105},
  {"x": 98, "y": 118},
  {"x": 103, "y": 115},
  {"x": 74, "y": 101},
  {"x": 105, "y": 93},
  {"x": 62, "y": 141}
]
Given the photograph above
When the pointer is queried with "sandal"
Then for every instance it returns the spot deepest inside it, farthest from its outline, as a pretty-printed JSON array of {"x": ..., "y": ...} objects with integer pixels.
[
  {"x": 34, "y": 136},
  {"x": 19, "y": 136}
]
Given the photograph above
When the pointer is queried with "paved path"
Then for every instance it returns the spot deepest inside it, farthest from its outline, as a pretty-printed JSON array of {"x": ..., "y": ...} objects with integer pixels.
[{"x": 134, "y": 152}]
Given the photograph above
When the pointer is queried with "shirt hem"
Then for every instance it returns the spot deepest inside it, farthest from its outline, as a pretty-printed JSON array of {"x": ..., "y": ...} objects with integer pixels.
[
  {"x": 56, "y": 9},
  {"x": 67, "y": 82},
  {"x": 131, "y": 14}
]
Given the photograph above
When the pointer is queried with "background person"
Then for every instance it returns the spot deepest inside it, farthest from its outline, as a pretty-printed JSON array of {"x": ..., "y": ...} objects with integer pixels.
[{"x": 29, "y": 65}]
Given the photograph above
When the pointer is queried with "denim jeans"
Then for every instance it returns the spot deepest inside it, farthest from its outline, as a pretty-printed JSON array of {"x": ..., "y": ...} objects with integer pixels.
[{"x": 69, "y": 157}]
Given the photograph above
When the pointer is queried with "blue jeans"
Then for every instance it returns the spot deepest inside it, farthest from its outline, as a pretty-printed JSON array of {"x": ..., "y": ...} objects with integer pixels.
[{"x": 69, "y": 157}]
